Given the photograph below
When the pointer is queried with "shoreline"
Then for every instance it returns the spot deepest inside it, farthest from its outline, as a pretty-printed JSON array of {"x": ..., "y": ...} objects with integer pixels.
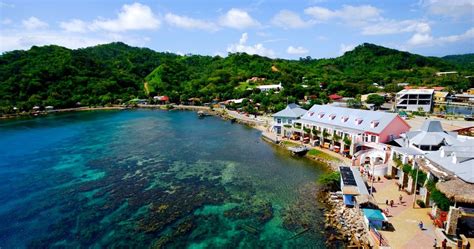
[{"x": 332, "y": 213}]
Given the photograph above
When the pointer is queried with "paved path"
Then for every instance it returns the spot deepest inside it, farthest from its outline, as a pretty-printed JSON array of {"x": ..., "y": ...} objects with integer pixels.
[{"x": 404, "y": 218}]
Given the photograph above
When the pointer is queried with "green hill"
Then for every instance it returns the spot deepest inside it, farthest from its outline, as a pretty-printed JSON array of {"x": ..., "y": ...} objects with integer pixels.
[
  {"x": 114, "y": 73},
  {"x": 465, "y": 61}
]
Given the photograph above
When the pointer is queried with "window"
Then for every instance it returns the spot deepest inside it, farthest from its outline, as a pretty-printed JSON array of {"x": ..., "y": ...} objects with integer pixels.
[
  {"x": 344, "y": 119},
  {"x": 358, "y": 121},
  {"x": 374, "y": 123},
  {"x": 332, "y": 116},
  {"x": 321, "y": 115},
  {"x": 311, "y": 114},
  {"x": 278, "y": 120},
  {"x": 373, "y": 139}
]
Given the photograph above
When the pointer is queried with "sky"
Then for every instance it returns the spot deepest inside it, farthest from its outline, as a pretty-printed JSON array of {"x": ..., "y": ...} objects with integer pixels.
[{"x": 278, "y": 29}]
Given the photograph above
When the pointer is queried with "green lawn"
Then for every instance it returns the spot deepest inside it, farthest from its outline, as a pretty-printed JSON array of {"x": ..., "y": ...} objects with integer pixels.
[{"x": 320, "y": 154}]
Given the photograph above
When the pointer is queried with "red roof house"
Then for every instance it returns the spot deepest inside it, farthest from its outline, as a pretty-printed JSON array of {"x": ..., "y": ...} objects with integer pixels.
[{"x": 335, "y": 97}]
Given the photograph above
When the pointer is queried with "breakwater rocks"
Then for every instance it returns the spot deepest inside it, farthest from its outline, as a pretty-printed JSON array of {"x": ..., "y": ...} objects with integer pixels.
[{"x": 343, "y": 224}]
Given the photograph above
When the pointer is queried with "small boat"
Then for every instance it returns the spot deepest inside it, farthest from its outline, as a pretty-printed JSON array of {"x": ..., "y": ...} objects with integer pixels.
[{"x": 298, "y": 150}]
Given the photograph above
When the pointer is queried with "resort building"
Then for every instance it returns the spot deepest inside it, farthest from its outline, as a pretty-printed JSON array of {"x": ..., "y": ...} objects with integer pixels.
[
  {"x": 452, "y": 168},
  {"x": 283, "y": 120},
  {"x": 430, "y": 137},
  {"x": 349, "y": 130},
  {"x": 415, "y": 100},
  {"x": 265, "y": 88}
]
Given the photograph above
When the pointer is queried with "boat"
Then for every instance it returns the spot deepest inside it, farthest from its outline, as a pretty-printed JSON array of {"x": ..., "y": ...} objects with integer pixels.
[{"x": 298, "y": 150}]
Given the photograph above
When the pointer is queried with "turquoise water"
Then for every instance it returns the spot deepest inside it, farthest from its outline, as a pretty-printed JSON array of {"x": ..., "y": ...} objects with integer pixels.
[{"x": 144, "y": 178}]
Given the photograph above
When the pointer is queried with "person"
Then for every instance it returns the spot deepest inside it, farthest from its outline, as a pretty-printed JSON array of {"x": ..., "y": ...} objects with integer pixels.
[
  {"x": 400, "y": 198},
  {"x": 391, "y": 203},
  {"x": 444, "y": 244},
  {"x": 386, "y": 202},
  {"x": 420, "y": 225},
  {"x": 435, "y": 244},
  {"x": 399, "y": 187},
  {"x": 378, "y": 179}
]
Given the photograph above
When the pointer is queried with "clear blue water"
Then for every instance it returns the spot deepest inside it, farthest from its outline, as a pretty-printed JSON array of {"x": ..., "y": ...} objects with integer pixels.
[{"x": 146, "y": 178}]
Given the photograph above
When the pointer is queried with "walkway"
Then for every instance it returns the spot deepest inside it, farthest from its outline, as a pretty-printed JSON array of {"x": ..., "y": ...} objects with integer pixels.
[{"x": 404, "y": 218}]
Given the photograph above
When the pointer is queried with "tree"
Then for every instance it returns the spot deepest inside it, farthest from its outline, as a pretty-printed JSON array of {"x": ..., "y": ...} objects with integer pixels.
[{"x": 376, "y": 100}]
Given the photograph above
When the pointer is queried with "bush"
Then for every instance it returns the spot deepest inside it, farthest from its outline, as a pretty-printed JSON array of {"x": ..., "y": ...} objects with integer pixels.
[
  {"x": 331, "y": 180},
  {"x": 406, "y": 168},
  {"x": 421, "y": 203}
]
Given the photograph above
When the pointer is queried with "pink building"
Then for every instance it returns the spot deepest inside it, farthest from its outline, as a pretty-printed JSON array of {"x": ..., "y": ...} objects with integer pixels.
[{"x": 364, "y": 129}]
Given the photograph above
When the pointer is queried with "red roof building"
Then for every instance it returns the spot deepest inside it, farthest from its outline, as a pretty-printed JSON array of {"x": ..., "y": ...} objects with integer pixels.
[{"x": 335, "y": 97}]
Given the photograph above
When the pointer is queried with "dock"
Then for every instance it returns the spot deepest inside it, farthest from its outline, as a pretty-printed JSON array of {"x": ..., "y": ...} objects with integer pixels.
[{"x": 298, "y": 150}]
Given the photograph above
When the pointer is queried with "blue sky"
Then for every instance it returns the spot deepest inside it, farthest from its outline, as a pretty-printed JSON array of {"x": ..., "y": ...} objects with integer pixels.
[{"x": 283, "y": 29}]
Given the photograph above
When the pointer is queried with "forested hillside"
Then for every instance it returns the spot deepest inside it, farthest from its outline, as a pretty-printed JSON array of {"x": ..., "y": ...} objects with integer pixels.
[
  {"x": 115, "y": 73},
  {"x": 465, "y": 61}
]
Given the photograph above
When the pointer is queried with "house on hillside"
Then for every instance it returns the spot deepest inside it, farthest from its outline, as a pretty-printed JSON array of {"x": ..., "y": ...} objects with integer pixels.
[
  {"x": 265, "y": 88},
  {"x": 162, "y": 99},
  {"x": 440, "y": 97},
  {"x": 350, "y": 130},
  {"x": 283, "y": 120},
  {"x": 335, "y": 97}
]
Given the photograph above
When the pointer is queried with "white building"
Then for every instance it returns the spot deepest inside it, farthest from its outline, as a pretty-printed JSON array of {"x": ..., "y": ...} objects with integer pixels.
[
  {"x": 283, "y": 120},
  {"x": 415, "y": 100},
  {"x": 265, "y": 88}
]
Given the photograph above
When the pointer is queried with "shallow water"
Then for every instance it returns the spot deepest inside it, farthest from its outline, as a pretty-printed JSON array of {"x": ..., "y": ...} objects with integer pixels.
[{"x": 148, "y": 178}]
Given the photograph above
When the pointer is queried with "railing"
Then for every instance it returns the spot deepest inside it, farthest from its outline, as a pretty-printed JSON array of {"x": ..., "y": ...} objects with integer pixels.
[{"x": 378, "y": 237}]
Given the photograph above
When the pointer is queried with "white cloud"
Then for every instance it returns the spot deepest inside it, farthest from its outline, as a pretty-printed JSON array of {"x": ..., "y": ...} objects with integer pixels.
[
  {"x": 6, "y": 5},
  {"x": 454, "y": 9},
  {"x": 395, "y": 27},
  {"x": 189, "y": 23},
  {"x": 288, "y": 19},
  {"x": 344, "y": 48},
  {"x": 74, "y": 25},
  {"x": 25, "y": 39},
  {"x": 238, "y": 19},
  {"x": 297, "y": 50},
  {"x": 420, "y": 39},
  {"x": 135, "y": 16},
  {"x": 6, "y": 21},
  {"x": 242, "y": 47},
  {"x": 34, "y": 23},
  {"x": 353, "y": 15},
  {"x": 428, "y": 40}
]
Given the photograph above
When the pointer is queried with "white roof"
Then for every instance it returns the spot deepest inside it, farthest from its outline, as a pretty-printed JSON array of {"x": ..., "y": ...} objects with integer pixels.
[
  {"x": 457, "y": 159},
  {"x": 291, "y": 111},
  {"x": 431, "y": 133},
  {"x": 416, "y": 91},
  {"x": 352, "y": 119},
  {"x": 270, "y": 86}
]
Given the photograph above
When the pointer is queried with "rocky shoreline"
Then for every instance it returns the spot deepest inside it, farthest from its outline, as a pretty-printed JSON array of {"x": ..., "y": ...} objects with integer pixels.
[{"x": 343, "y": 224}]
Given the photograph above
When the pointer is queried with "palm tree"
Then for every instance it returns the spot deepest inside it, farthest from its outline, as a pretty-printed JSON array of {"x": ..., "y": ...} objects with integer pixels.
[
  {"x": 325, "y": 135},
  {"x": 315, "y": 134},
  {"x": 335, "y": 138}
]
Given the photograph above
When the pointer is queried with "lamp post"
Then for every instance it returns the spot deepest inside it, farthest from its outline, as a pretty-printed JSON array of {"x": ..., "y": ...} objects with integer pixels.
[
  {"x": 372, "y": 183},
  {"x": 414, "y": 193}
]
